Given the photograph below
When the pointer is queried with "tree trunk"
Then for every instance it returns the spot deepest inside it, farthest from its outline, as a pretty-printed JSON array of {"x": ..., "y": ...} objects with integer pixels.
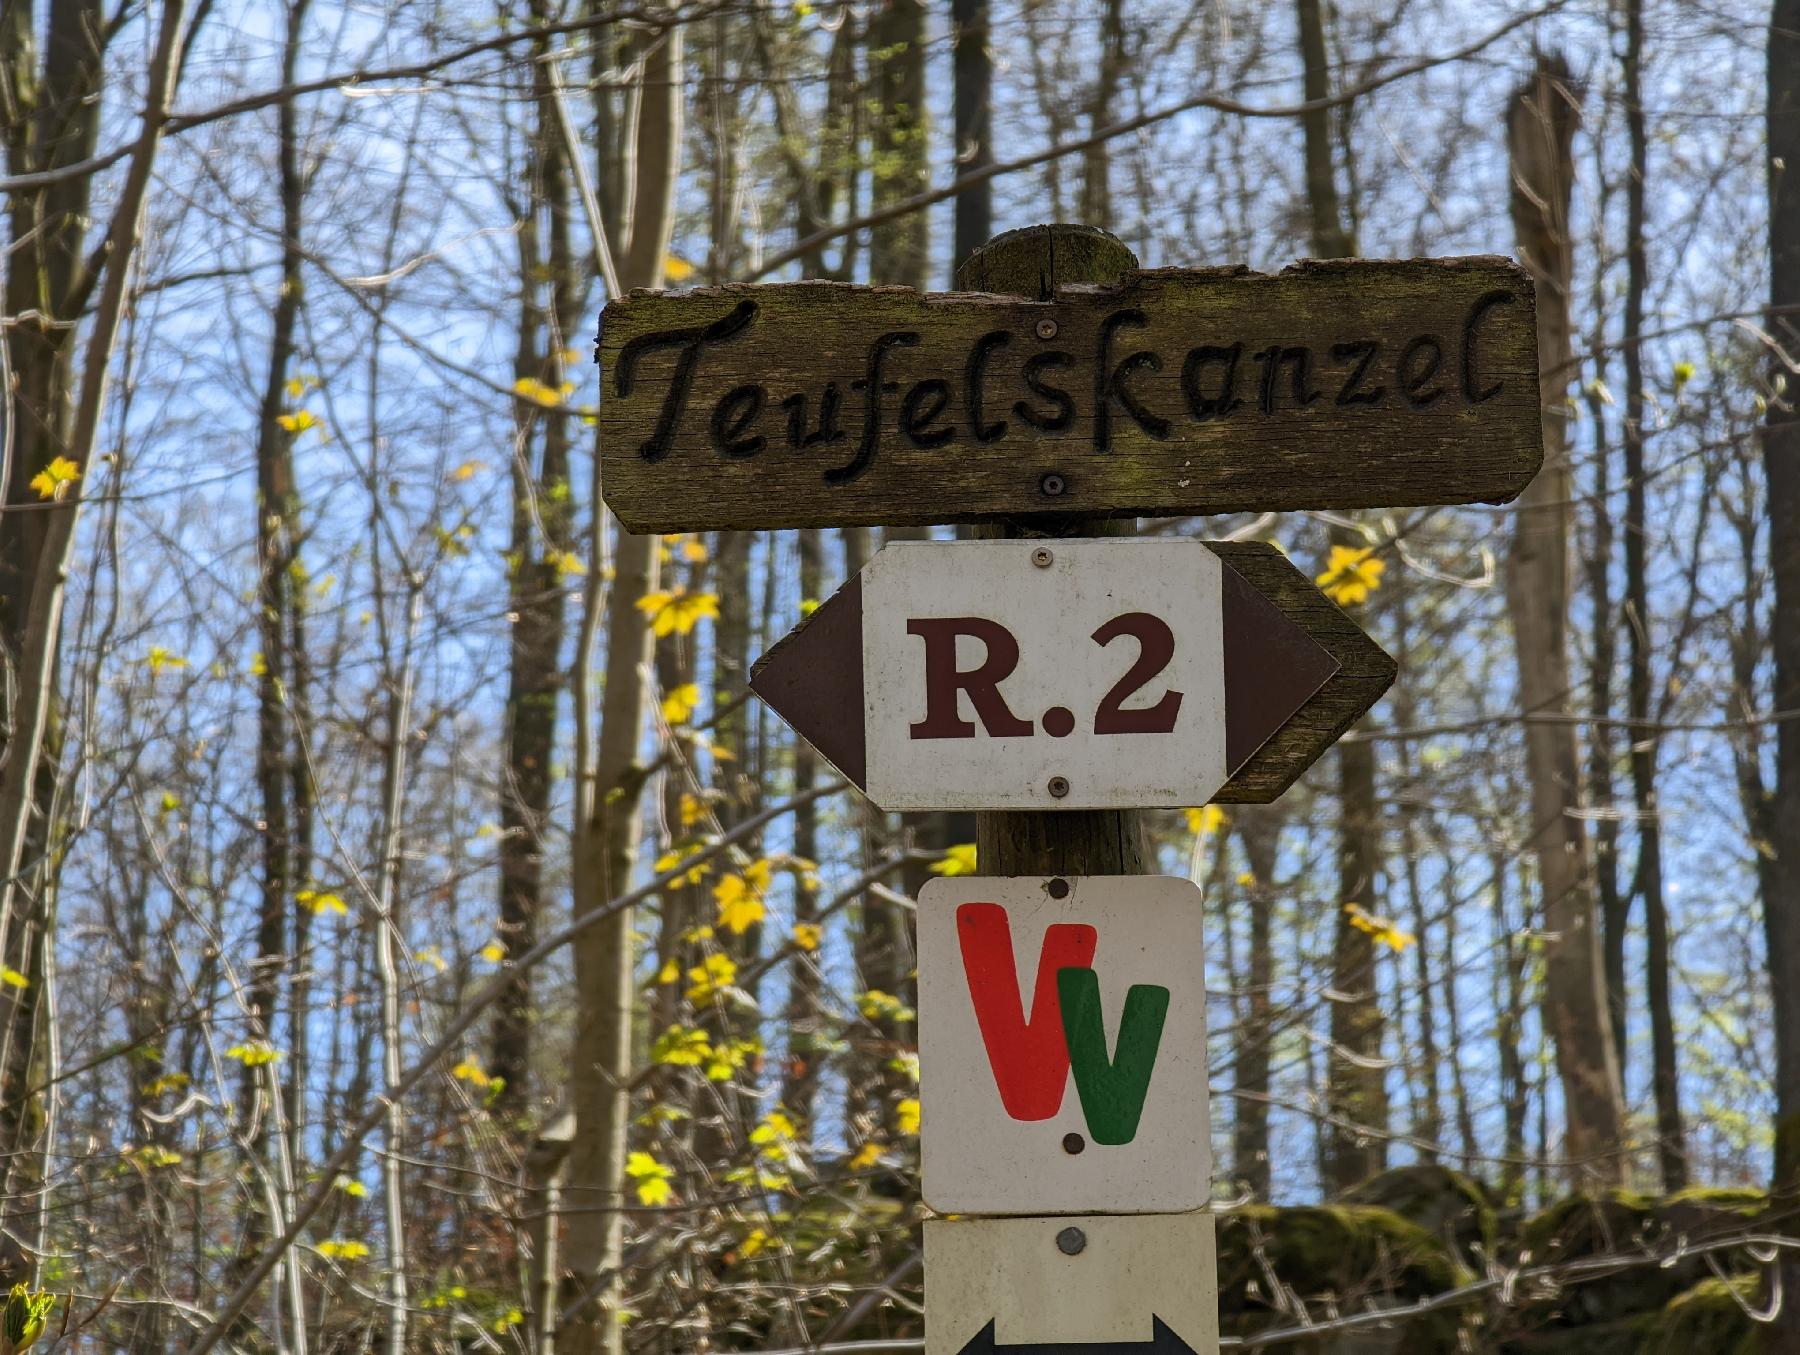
[
  {"x": 1781, "y": 463},
  {"x": 801, "y": 1082},
  {"x": 538, "y": 557},
  {"x": 973, "y": 116},
  {"x": 1356, "y": 1077},
  {"x": 607, "y": 825},
  {"x": 1259, "y": 830},
  {"x": 900, "y": 250},
  {"x": 1096, "y": 186},
  {"x": 1541, "y": 123},
  {"x": 1648, "y": 880}
]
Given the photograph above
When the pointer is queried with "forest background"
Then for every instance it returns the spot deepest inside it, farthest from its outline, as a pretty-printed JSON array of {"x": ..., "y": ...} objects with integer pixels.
[{"x": 411, "y": 937}]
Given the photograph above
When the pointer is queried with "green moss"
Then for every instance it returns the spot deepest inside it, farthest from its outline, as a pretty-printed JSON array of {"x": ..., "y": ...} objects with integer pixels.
[
  {"x": 1447, "y": 1204},
  {"x": 1337, "y": 1258},
  {"x": 1709, "y": 1317}
]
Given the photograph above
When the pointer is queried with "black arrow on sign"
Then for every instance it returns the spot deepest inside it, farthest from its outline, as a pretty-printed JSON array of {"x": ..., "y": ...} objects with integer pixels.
[{"x": 1163, "y": 1341}]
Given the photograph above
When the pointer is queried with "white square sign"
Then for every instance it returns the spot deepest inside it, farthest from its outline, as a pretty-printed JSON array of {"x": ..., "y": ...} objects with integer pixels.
[
  {"x": 1062, "y": 1045},
  {"x": 1048, "y": 674}
]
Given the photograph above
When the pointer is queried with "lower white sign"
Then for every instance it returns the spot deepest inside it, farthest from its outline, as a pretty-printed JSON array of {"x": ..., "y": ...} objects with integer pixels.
[
  {"x": 1124, "y": 1284},
  {"x": 1062, "y": 1045}
]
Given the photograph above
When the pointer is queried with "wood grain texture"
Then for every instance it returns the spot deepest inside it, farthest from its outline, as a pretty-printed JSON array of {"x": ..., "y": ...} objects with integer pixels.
[
  {"x": 1365, "y": 671},
  {"x": 1340, "y": 384}
]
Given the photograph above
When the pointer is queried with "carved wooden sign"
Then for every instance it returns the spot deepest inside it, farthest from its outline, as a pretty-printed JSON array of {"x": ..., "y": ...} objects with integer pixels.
[
  {"x": 1343, "y": 384},
  {"x": 1092, "y": 673}
]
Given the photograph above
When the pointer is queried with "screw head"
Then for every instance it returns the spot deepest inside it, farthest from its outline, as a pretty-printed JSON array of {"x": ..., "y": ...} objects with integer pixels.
[
  {"x": 1046, "y": 328},
  {"x": 1042, "y": 557},
  {"x": 1071, "y": 1242},
  {"x": 1053, "y": 484},
  {"x": 1058, "y": 888},
  {"x": 1059, "y": 786},
  {"x": 1073, "y": 1143}
]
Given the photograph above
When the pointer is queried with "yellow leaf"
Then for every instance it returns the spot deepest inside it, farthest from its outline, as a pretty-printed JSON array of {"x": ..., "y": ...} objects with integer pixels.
[
  {"x": 669, "y": 972},
  {"x": 317, "y": 901},
  {"x": 775, "y": 1134},
  {"x": 669, "y": 860},
  {"x": 154, "y": 1155},
  {"x": 677, "y": 612},
  {"x": 493, "y": 952},
  {"x": 470, "y": 1071},
  {"x": 338, "y": 1249},
  {"x": 159, "y": 658},
  {"x": 652, "y": 1178},
  {"x": 755, "y": 1241},
  {"x": 430, "y": 955},
  {"x": 740, "y": 905},
  {"x": 677, "y": 269},
  {"x": 725, "y": 1059},
  {"x": 1384, "y": 932},
  {"x": 531, "y": 389},
  {"x": 253, "y": 1053},
  {"x": 298, "y": 421},
  {"x": 906, "y": 1115},
  {"x": 168, "y": 1082},
  {"x": 1684, "y": 373},
  {"x": 1205, "y": 821},
  {"x": 693, "y": 808},
  {"x": 957, "y": 860},
  {"x": 467, "y": 471},
  {"x": 1351, "y": 575},
  {"x": 806, "y": 936},
  {"x": 693, "y": 550},
  {"x": 867, "y": 1155},
  {"x": 876, "y": 1005},
  {"x": 680, "y": 1047},
  {"x": 259, "y": 666},
  {"x": 13, "y": 978},
  {"x": 298, "y": 386},
  {"x": 54, "y": 480},
  {"x": 350, "y": 1186},
  {"x": 713, "y": 975},
  {"x": 1247, "y": 879},
  {"x": 678, "y": 707},
  {"x": 807, "y": 607},
  {"x": 568, "y": 563}
]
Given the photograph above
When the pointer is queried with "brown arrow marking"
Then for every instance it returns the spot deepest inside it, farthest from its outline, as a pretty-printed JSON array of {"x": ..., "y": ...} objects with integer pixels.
[
  {"x": 813, "y": 678},
  {"x": 1272, "y": 667},
  {"x": 1363, "y": 671}
]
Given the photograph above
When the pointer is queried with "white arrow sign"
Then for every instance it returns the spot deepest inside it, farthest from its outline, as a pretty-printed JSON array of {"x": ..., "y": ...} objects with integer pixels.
[
  {"x": 1062, "y": 1045},
  {"x": 1143, "y": 1284}
]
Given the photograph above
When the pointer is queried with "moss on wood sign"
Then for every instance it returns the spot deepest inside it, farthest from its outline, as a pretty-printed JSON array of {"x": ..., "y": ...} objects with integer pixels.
[{"x": 1343, "y": 384}]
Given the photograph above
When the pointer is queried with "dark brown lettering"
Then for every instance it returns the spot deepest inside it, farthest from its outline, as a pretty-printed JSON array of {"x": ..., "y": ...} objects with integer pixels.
[{"x": 943, "y": 680}]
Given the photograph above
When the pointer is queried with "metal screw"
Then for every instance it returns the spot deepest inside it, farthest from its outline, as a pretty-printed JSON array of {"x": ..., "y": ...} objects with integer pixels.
[
  {"x": 1046, "y": 328},
  {"x": 1041, "y": 557},
  {"x": 1071, "y": 1242},
  {"x": 1059, "y": 888},
  {"x": 1053, "y": 484},
  {"x": 1059, "y": 786},
  {"x": 1073, "y": 1143}
]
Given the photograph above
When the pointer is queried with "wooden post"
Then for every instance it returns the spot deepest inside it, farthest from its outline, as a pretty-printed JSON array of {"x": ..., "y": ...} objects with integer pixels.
[{"x": 1033, "y": 263}]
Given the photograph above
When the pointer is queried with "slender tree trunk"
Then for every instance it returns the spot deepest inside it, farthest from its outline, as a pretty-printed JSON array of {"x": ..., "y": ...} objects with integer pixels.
[
  {"x": 900, "y": 250},
  {"x": 1781, "y": 463},
  {"x": 607, "y": 825},
  {"x": 1259, "y": 830},
  {"x": 1541, "y": 124},
  {"x": 1356, "y": 1076},
  {"x": 1509, "y": 1015},
  {"x": 801, "y": 1082},
  {"x": 973, "y": 115},
  {"x": 1096, "y": 186},
  {"x": 538, "y": 558},
  {"x": 1648, "y": 881}
]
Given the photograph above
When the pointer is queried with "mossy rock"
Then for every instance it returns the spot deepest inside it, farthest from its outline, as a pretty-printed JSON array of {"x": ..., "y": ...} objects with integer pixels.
[
  {"x": 1709, "y": 1317},
  {"x": 1445, "y": 1203},
  {"x": 1338, "y": 1259},
  {"x": 1621, "y": 1222}
]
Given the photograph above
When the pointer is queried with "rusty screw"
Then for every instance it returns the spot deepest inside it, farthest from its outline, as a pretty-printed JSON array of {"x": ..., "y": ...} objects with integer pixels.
[
  {"x": 1059, "y": 786},
  {"x": 1046, "y": 328},
  {"x": 1042, "y": 558}
]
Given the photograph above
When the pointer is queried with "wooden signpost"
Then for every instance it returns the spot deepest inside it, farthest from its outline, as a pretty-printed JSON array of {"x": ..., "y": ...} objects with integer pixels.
[
  {"x": 1062, "y": 677},
  {"x": 1346, "y": 384},
  {"x": 1071, "y": 674}
]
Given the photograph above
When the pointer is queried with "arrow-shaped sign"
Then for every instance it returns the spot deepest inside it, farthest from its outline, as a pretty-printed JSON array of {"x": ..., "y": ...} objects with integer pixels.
[
  {"x": 1162, "y": 1341},
  {"x": 1073, "y": 674},
  {"x": 1084, "y": 1284}
]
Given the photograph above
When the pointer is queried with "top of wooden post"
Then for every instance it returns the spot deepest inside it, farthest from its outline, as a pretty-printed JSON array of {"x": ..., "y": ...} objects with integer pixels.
[{"x": 1034, "y": 261}]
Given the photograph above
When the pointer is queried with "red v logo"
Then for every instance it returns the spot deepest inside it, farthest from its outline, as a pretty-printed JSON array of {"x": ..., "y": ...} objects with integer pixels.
[{"x": 1030, "y": 1057}]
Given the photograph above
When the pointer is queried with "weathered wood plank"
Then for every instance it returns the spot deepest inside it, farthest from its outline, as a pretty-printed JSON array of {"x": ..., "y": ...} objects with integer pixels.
[
  {"x": 1341, "y": 384},
  {"x": 1365, "y": 671}
]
